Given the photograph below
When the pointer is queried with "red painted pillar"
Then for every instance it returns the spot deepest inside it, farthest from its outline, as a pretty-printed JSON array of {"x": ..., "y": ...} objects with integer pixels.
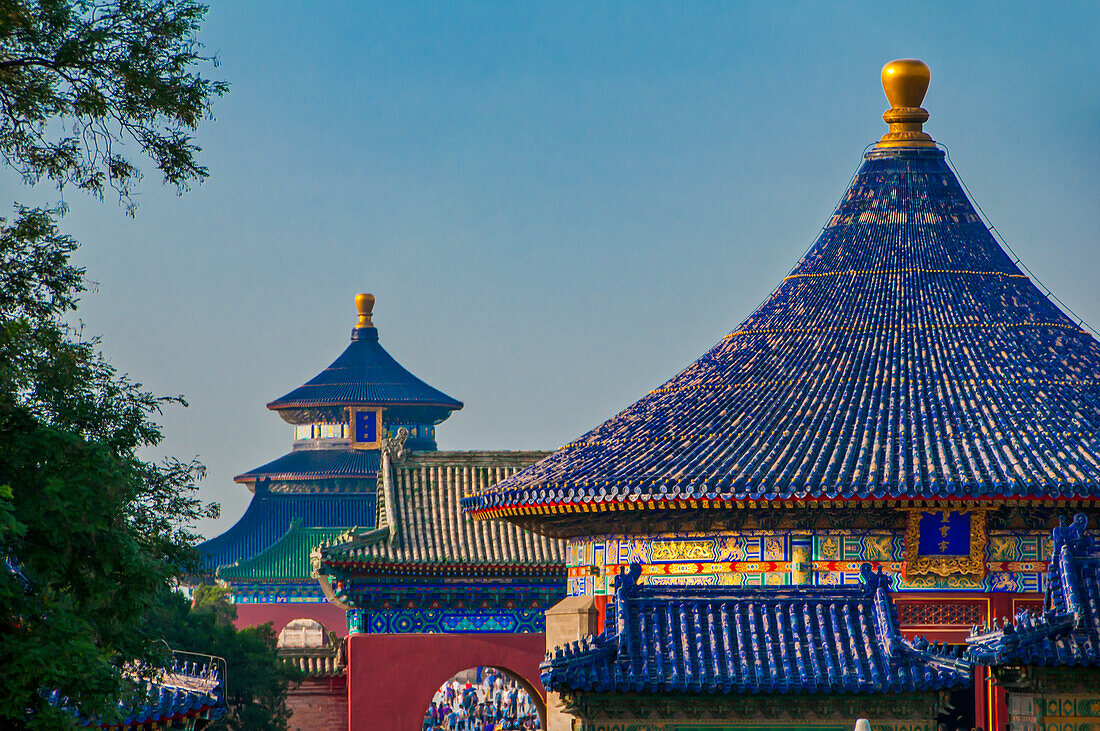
[
  {"x": 601, "y": 612},
  {"x": 1000, "y": 606}
]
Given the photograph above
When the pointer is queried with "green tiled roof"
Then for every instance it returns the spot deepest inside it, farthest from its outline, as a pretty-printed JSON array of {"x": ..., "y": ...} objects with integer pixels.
[
  {"x": 426, "y": 526},
  {"x": 286, "y": 559}
]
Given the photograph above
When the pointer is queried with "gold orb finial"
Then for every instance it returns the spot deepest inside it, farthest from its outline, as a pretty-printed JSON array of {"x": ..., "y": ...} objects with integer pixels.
[
  {"x": 905, "y": 82},
  {"x": 365, "y": 304}
]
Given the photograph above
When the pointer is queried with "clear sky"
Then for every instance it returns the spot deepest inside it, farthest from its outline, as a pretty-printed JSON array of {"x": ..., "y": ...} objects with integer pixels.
[{"x": 558, "y": 205}]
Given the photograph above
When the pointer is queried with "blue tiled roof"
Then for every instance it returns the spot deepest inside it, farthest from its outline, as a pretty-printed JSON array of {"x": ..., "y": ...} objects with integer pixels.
[
  {"x": 314, "y": 464},
  {"x": 1068, "y": 631},
  {"x": 188, "y": 689},
  {"x": 269, "y": 517},
  {"x": 905, "y": 356},
  {"x": 752, "y": 640},
  {"x": 366, "y": 375}
]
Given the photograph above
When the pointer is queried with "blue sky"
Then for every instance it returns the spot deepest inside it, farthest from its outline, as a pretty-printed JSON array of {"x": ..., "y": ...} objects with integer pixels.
[{"x": 558, "y": 205}]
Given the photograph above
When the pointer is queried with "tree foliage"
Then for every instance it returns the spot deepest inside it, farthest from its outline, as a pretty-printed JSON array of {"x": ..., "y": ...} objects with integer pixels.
[
  {"x": 91, "y": 533},
  {"x": 84, "y": 84}
]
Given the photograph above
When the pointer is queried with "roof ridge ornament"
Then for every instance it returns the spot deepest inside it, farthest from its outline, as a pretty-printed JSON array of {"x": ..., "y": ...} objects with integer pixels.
[
  {"x": 364, "y": 303},
  {"x": 905, "y": 81}
]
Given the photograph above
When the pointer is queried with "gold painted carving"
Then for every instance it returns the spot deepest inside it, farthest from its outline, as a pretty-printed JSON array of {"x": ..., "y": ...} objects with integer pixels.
[
  {"x": 972, "y": 566},
  {"x": 682, "y": 551}
]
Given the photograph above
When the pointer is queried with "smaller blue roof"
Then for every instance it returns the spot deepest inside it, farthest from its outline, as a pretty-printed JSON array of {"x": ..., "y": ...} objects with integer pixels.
[
  {"x": 192, "y": 689},
  {"x": 781, "y": 639},
  {"x": 269, "y": 517},
  {"x": 318, "y": 464},
  {"x": 1068, "y": 630},
  {"x": 366, "y": 375}
]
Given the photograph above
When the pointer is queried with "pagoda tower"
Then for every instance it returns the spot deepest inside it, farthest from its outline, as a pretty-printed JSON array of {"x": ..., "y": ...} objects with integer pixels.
[
  {"x": 327, "y": 484},
  {"x": 356, "y": 549},
  {"x": 907, "y": 398}
]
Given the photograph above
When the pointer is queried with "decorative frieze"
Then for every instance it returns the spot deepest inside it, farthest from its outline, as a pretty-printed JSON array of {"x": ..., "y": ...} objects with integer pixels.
[{"x": 1014, "y": 561}]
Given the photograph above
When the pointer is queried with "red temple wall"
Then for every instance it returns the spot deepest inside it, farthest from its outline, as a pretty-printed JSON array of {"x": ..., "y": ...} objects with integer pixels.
[
  {"x": 319, "y": 704},
  {"x": 332, "y": 617},
  {"x": 392, "y": 678}
]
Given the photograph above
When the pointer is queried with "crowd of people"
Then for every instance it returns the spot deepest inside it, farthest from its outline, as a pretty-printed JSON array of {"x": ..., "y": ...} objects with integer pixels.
[{"x": 493, "y": 703}]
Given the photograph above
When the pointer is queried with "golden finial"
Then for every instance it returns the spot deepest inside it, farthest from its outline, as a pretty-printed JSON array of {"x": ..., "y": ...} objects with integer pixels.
[
  {"x": 365, "y": 304},
  {"x": 905, "y": 82}
]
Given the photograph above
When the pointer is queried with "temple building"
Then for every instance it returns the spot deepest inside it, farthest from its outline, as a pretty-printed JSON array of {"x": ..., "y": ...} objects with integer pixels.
[
  {"x": 356, "y": 549},
  {"x": 327, "y": 483},
  {"x": 907, "y": 398}
]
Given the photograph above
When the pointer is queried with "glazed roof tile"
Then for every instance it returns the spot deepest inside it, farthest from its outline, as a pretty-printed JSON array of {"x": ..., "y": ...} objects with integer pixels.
[
  {"x": 1068, "y": 631},
  {"x": 366, "y": 375},
  {"x": 905, "y": 356},
  {"x": 315, "y": 464},
  {"x": 428, "y": 527},
  {"x": 188, "y": 689},
  {"x": 288, "y": 559},
  {"x": 813, "y": 639},
  {"x": 271, "y": 514}
]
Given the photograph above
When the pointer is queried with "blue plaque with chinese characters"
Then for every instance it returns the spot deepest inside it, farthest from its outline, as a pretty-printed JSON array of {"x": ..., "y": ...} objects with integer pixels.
[
  {"x": 366, "y": 428},
  {"x": 945, "y": 542},
  {"x": 944, "y": 533}
]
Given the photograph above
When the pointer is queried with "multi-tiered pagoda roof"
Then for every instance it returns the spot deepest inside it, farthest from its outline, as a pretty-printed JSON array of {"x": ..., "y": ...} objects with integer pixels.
[
  {"x": 365, "y": 375},
  {"x": 906, "y": 359},
  {"x": 326, "y": 482}
]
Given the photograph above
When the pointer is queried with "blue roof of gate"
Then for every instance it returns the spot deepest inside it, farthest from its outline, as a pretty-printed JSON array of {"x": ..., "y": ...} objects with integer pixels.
[
  {"x": 269, "y": 517},
  {"x": 187, "y": 689},
  {"x": 366, "y": 375},
  {"x": 1068, "y": 631},
  {"x": 752, "y": 640},
  {"x": 906, "y": 356},
  {"x": 317, "y": 464}
]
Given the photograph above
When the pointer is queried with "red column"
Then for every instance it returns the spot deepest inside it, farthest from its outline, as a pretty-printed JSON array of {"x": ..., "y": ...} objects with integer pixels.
[{"x": 1000, "y": 606}]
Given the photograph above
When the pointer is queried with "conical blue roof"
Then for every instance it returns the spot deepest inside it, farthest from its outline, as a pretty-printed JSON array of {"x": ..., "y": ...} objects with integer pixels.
[
  {"x": 905, "y": 357},
  {"x": 366, "y": 375}
]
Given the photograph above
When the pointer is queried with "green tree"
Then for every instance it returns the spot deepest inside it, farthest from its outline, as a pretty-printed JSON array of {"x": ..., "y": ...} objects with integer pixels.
[
  {"x": 84, "y": 84},
  {"x": 257, "y": 678},
  {"x": 91, "y": 534}
]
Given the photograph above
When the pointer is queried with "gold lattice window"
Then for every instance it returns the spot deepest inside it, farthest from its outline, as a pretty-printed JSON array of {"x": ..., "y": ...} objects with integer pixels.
[{"x": 940, "y": 614}]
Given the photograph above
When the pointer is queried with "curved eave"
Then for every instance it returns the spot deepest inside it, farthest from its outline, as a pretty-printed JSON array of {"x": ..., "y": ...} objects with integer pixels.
[
  {"x": 366, "y": 375},
  {"x": 906, "y": 357},
  {"x": 478, "y": 512},
  {"x": 342, "y": 403},
  {"x": 317, "y": 464},
  {"x": 400, "y": 569}
]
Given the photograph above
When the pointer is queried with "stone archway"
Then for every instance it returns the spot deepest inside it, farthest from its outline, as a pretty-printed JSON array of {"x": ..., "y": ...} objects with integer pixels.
[
  {"x": 534, "y": 691},
  {"x": 391, "y": 678}
]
